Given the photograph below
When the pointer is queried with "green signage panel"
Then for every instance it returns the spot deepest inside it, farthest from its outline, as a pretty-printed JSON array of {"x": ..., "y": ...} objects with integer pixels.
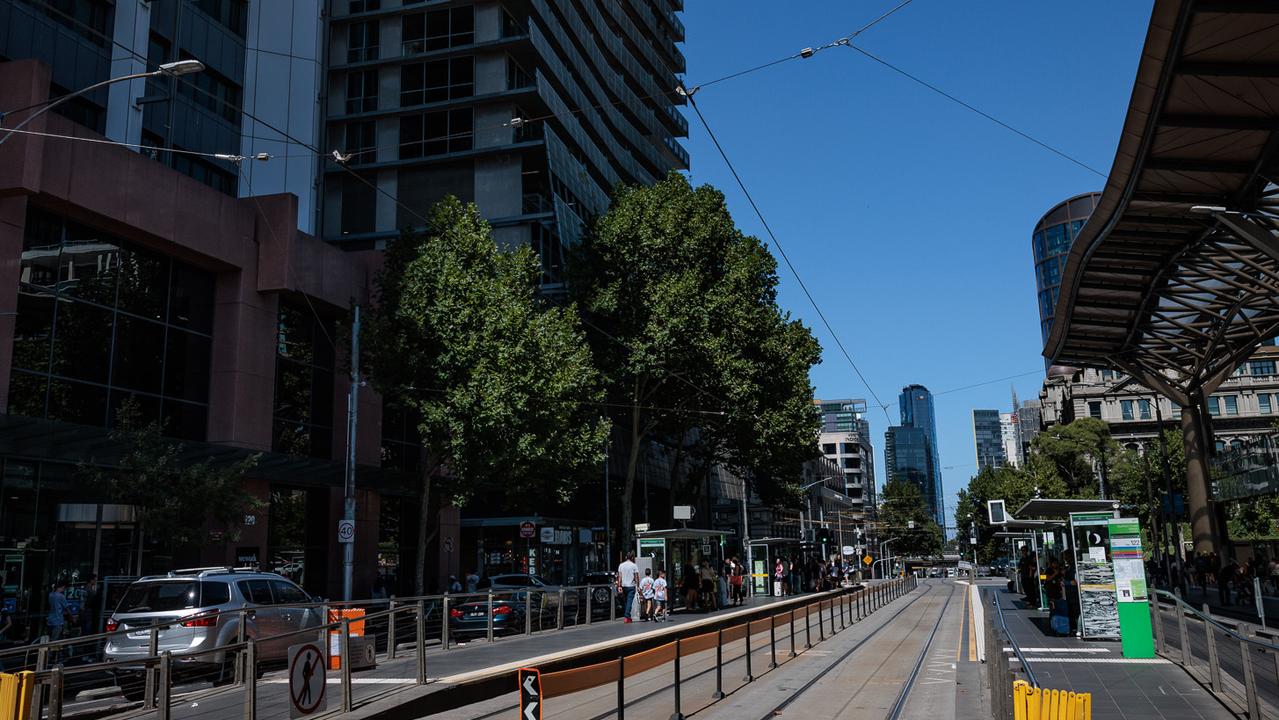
[{"x": 1131, "y": 593}]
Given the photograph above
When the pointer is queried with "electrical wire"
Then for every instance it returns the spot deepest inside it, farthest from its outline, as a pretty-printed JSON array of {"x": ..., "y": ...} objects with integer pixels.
[
  {"x": 228, "y": 157},
  {"x": 988, "y": 382},
  {"x": 781, "y": 251},
  {"x": 1060, "y": 153}
]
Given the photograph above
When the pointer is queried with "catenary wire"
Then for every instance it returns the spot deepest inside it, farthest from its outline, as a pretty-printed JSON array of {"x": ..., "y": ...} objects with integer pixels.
[
  {"x": 1060, "y": 153},
  {"x": 229, "y": 157},
  {"x": 781, "y": 251}
]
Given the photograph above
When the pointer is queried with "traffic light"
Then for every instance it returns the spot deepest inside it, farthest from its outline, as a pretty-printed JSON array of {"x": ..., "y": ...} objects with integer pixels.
[{"x": 823, "y": 536}]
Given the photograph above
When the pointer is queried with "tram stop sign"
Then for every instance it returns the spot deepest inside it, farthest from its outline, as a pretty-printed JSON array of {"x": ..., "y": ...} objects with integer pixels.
[
  {"x": 306, "y": 680},
  {"x": 530, "y": 680}
]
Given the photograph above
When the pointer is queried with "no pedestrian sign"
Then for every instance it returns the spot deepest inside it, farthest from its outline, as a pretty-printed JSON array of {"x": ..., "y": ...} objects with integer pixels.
[
  {"x": 530, "y": 694},
  {"x": 306, "y": 680}
]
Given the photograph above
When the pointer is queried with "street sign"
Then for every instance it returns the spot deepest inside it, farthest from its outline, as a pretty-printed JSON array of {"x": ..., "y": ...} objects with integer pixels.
[
  {"x": 996, "y": 513},
  {"x": 641, "y": 527},
  {"x": 866, "y": 559},
  {"x": 548, "y": 535},
  {"x": 306, "y": 680},
  {"x": 530, "y": 690},
  {"x": 847, "y": 549},
  {"x": 527, "y": 529},
  {"x": 346, "y": 531}
]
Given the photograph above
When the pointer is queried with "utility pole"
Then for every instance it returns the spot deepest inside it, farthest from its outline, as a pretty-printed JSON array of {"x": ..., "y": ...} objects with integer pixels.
[
  {"x": 608, "y": 511},
  {"x": 352, "y": 424},
  {"x": 746, "y": 541}
]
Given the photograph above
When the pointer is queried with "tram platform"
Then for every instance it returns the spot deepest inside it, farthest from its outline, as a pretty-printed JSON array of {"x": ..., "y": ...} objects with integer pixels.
[{"x": 1122, "y": 688}]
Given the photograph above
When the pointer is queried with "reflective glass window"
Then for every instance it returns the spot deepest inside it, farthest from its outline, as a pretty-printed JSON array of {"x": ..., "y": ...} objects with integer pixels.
[
  {"x": 304, "y": 389},
  {"x": 1232, "y": 404},
  {"x": 1263, "y": 402},
  {"x": 1125, "y": 407}
]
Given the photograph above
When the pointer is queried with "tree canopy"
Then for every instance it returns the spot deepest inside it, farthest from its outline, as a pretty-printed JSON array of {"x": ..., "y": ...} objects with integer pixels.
[{"x": 903, "y": 509}]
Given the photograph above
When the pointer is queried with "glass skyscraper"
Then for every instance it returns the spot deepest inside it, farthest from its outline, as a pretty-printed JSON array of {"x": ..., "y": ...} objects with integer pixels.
[
  {"x": 988, "y": 439},
  {"x": 910, "y": 450},
  {"x": 1050, "y": 243}
]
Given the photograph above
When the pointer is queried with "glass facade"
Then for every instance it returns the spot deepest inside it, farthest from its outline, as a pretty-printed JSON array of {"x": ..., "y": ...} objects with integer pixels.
[
  {"x": 302, "y": 416},
  {"x": 1050, "y": 244},
  {"x": 916, "y": 407},
  {"x": 101, "y": 321},
  {"x": 988, "y": 438},
  {"x": 909, "y": 455}
]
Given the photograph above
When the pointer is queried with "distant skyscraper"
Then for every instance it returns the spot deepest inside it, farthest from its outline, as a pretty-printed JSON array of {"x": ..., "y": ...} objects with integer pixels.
[
  {"x": 1008, "y": 437},
  {"x": 988, "y": 439},
  {"x": 1050, "y": 243},
  {"x": 845, "y": 441},
  {"x": 1029, "y": 420},
  {"x": 911, "y": 448}
]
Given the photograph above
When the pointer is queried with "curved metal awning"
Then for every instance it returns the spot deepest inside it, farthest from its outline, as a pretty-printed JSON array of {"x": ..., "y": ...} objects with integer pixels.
[{"x": 1175, "y": 278}]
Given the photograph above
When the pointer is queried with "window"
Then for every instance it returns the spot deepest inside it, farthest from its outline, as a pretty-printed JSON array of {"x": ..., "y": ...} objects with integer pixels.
[
  {"x": 516, "y": 76},
  {"x": 852, "y": 463},
  {"x": 849, "y": 448},
  {"x": 437, "y": 81},
  {"x": 435, "y": 133},
  {"x": 1107, "y": 375},
  {"x": 401, "y": 441},
  {"x": 828, "y": 448},
  {"x": 361, "y": 141},
  {"x": 90, "y": 19},
  {"x": 361, "y": 91},
  {"x": 362, "y": 41},
  {"x": 286, "y": 593},
  {"x": 1214, "y": 406},
  {"x": 1232, "y": 404},
  {"x": 257, "y": 592},
  {"x": 100, "y": 322},
  {"x": 1261, "y": 367},
  {"x": 214, "y": 92},
  {"x": 438, "y": 29},
  {"x": 1263, "y": 402},
  {"x": 303, "y": 384},
  {"x": 359, "y": 6},
  {"x": 1126, "y": 408},
  {"x": 230, "y": 13},
  {"x": 1143, "y": 407},
  {"x": 1094, "y": 410}
]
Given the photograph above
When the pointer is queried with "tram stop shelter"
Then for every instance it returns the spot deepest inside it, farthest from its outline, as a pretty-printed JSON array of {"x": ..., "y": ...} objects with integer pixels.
[
  {"x": 1042, "y": 526},
  {"x": 677, "y": 549}
]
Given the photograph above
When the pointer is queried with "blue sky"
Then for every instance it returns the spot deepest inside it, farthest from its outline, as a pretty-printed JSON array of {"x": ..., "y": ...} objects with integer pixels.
[{"x": 909, "y": 217}]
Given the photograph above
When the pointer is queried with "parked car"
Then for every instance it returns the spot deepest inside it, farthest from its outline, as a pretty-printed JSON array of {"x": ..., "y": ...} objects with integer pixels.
[
  {"x": 199, "y": 610},
  {"x": 600, "y": 592},
  {"x": 470, "y": 620}
]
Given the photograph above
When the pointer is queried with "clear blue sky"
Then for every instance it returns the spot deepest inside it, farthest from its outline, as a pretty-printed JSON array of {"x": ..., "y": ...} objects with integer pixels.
[{"x": 909, "y": 217}]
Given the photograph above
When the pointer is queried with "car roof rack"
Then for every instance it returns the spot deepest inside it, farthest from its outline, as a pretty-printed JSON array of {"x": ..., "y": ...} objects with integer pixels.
[{"x": 216, "y": 570}]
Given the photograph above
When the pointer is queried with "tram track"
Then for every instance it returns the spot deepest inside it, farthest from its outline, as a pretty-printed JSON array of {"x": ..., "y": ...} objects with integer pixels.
[{"x": 866, "y": 673}]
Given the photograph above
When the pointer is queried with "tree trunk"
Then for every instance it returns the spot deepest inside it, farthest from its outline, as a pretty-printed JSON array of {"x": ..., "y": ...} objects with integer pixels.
[{"x": 419, "y": 584}]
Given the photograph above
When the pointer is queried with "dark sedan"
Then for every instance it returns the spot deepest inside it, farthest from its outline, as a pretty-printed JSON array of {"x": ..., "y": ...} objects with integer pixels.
[{"x": 470, "y": 620}]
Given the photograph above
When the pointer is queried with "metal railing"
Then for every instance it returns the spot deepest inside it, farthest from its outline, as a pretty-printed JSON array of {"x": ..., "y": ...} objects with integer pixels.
[
  {"x": 1012, "y": 642},
  {"x": 1220, "y": 653}
]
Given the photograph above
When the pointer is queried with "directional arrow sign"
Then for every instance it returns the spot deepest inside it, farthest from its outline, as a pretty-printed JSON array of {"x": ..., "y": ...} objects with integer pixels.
[{"x": 530, "y": 680}]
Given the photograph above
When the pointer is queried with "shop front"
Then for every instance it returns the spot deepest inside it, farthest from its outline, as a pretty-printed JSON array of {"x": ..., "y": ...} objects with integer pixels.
[{"x": 557, "y": 550}]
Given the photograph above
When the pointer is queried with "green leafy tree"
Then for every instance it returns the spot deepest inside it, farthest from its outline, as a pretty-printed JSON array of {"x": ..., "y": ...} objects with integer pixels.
[
  {"x": 504, "y": 384},
  {"x": 903, "y": 509},
  {"x": 1081, "y": 452},
  {"x": 691, "y": 341},
  {"x": 176, "y": 500}
]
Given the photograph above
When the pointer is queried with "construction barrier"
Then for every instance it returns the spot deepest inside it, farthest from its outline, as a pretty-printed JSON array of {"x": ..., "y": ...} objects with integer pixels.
[
  {"x": 1032, "y": 703},
  {"x": 356, "y": 616},
  {"x": 15, "y": 695}
]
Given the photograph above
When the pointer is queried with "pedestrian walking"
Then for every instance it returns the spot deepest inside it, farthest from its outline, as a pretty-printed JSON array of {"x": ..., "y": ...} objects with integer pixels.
[
  {"x": 472, "y": 581},
  {"x": 737, "y": 580},
  {"x": 659, "y": 595},
  {"x": 647, "y": 597},
  {"x": 779, "y": 578},
  {"x": 627, "y": 579}
]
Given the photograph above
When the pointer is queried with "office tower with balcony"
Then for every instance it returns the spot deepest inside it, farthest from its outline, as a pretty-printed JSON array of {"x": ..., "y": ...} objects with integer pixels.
[
  {"x": 532, "y": 109},
  {"x": 845, "y": 442}
]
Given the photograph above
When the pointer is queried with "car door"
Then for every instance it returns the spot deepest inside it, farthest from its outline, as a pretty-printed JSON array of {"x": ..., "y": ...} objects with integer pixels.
[
  {"x": 266, "y": 618},
  {"x": 291, "y": 604}
]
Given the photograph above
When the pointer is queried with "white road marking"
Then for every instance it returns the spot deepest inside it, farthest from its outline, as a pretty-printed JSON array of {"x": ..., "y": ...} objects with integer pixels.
[
  {"x": 1061, "y": 650},
  {"x": 1113, "y": 661},
  {"x": 354, "y": 681}
]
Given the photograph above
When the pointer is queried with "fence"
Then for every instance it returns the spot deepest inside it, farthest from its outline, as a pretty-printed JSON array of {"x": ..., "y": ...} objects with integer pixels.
[
  {"x": 397, "y": 629},
  {"x": 1241, "y": 669},
  {"x": 695, "y": 679},
  {"x": 1032, "y": 703}
]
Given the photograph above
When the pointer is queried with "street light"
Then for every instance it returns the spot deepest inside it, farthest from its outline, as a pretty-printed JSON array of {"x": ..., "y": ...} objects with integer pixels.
[{"x": 173, "y": 69}]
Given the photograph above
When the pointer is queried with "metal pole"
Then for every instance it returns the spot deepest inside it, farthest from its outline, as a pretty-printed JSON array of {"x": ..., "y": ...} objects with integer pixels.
[
  {"x": 421, "y": 641},
  {"x": 772, "y": 641},
  {"x": 821, "y": 624},
  {"x": 750, "y": 676},
  {"x": 55, "y": 696},
  {"x": 251, "y": 680},
  {"x": 621, "y": 687},
  {"x": 588, "y": 604},
  {"x": 1214, "y": 670},
  {"x": 792, "y": 632},
  {"x": 390, "y": 632},
  {"x": 1249, "y": 680},
  {"x": 559, "y": 613},
  {"x": 346, "y": 665},
  {"x": 808, "y": 632},
  {"x": 1187, "y": 659},
  {"x": 746, "y": 542},
  {"x": 444, "y": 625},
  {"x": 677, "y": 715},
  {"x": 352, "y": 429},
  {"x": 608, "y": 510},
  {"x": 490, "y": 616},
  {"x": 528, "y": 613},
  {"x": 719, "y": 665},
  {"x": 166, "y": 687},
  {"x": 152, "y": 650}
]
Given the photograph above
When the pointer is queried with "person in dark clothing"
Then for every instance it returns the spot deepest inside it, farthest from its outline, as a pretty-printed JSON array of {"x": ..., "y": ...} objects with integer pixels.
[{"x": 1225, "y": 578}]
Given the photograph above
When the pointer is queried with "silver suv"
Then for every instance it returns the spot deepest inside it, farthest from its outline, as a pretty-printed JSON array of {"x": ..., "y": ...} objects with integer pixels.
[{"x": 199, "y": 610}]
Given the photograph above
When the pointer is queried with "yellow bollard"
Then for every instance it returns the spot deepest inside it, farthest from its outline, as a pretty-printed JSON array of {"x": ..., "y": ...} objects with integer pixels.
[
  {"x": 8, "y": 696},
  {"x": 1034, "y": 703},
  {"x": 26, "y": 689},
  {"x": 1019, "y": 699}
]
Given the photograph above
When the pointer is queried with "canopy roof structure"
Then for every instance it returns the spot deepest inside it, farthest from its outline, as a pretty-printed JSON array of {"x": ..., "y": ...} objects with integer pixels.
[
  {"x": 1175, "y": 278},
  {"x": 1060, "y": 509},
  {"x": 683, "y": 533}
]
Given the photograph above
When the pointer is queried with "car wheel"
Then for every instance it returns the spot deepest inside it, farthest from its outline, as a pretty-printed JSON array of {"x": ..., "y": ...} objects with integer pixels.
[
  {"x": 226, "y": 673},
  {"x": 599, "y": 597}
]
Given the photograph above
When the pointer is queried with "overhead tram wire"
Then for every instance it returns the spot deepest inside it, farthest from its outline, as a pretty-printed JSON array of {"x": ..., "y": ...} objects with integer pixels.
[
  {"x": 920, "y": 81},
  {"x": 781, "y": 251}
]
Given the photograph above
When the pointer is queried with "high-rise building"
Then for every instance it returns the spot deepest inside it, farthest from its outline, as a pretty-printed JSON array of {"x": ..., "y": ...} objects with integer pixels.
[
  {"x": 913, "y": 455},
  {"x": 256, "y": 83},
  {"x": 1050, "y": 244},
  {"x": 533, "y": 109},
  {"x": 845, "y": 441},
  {"x": 1028, "y": 420},
  {"x": 988, "y": 438}
]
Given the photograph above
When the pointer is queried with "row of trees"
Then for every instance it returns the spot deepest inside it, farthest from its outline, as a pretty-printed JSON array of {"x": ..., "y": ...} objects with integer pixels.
[{"x": 670, "y": 331}]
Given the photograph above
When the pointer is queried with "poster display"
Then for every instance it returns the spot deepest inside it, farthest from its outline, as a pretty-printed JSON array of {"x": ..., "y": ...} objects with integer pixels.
[
  {"x": 1098, "y": 614},
  {"x": 1131, "y": 592}
]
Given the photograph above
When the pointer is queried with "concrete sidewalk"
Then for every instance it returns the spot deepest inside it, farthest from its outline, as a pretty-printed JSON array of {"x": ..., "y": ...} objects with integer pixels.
[{"x": 1122, "y": 688}]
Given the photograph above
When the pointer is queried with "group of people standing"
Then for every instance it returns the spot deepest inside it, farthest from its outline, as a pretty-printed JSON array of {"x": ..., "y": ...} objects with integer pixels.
[{"x": 1233, "y": 578}]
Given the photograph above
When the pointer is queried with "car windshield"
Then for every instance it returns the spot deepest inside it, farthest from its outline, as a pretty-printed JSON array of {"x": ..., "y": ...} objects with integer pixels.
[{"x": 165, "y": 596}]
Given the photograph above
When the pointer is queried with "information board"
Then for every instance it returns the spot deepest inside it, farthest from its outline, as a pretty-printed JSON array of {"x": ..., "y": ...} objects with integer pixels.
[{"x": 1098, "y": 615}]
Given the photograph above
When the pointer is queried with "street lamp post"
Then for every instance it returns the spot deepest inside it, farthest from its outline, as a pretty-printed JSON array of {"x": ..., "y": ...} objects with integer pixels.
[{"x": 173, "y": 69}]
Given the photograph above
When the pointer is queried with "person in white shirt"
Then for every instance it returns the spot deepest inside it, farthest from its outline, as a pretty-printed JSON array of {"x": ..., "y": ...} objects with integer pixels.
[
  {"x": 659, "y": 594},
  {"x": 627, "y": 577},
  {"x": 646, "y": 595}
]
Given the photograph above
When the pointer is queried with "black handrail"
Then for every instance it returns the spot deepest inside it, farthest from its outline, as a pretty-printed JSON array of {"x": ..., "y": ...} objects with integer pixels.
[{"x": 1030, "y": 674}]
